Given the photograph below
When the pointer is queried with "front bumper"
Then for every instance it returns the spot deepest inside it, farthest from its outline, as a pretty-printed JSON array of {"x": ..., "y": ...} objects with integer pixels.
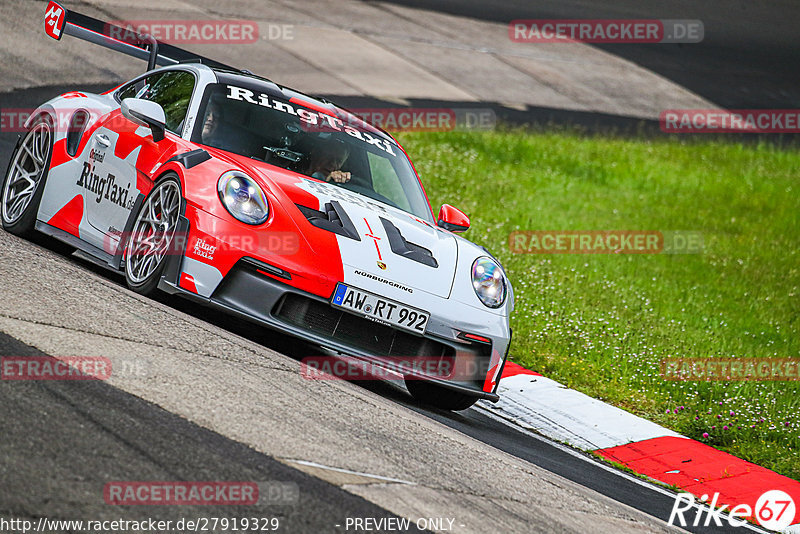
[{"x": 262, "y": 293}]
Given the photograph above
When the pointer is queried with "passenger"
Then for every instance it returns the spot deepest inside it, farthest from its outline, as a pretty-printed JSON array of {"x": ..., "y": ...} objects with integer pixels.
[{"x": 326, "y": 160}]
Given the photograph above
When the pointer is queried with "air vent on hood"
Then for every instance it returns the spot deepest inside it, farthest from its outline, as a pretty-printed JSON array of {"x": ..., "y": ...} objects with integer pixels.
[
  {"x": 407, "y": 249},
  {"x": 333, "y": 219}
]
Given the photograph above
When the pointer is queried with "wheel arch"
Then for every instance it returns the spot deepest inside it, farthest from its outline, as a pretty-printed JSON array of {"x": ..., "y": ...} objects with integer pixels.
[
  {"x": 25, "y": 219},
  {"x": 45, "y": 110},
  {"x": 170, "y": 167},
  {"x": 200, "y": 173}
]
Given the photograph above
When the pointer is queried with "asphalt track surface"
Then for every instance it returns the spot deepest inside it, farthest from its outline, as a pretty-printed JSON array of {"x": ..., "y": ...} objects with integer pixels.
[
  {"x": 61, "y": 439},
  {"x": 747, "y": 60}
]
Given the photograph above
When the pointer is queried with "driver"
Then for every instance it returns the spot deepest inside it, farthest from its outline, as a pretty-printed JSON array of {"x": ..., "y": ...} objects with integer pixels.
[
  {"x": 212, "y": 127},
  {"x": 326, "y": 160},
  {"x": 219, "y": 132}
]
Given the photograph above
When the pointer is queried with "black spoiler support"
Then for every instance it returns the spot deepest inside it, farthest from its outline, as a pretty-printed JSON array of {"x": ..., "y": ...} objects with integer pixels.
[{"x": 58, "y": 21}]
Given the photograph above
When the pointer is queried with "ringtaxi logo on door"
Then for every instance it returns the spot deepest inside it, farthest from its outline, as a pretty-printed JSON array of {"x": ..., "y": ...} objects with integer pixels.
[{"x": 774, "y": 509}]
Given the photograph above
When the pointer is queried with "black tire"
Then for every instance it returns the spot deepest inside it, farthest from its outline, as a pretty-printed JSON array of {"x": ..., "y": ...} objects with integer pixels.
[
  {"x": 16, "y": 219},
  {"x": 438, "y": 396},
  {"x": 140, "y": 276}
]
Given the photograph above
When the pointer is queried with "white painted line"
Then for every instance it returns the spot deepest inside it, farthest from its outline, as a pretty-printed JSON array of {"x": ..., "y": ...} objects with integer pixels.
[{"x": 349, "y": 472}]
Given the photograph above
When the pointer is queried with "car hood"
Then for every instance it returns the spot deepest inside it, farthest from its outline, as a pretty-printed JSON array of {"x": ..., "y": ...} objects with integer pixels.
[
  {"x": 392, "y": 244},
  {"x": 373, "y": 238}
]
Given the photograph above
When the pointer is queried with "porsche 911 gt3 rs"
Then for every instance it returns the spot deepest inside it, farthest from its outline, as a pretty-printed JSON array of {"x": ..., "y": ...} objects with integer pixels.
[{"x": 226, "y": 188}]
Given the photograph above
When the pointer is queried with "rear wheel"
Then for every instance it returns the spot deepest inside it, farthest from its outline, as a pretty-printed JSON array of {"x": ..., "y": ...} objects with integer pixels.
[
  {"x": 24, "y": 182},
  {"x": 438, "y": 396},
  {"x": 152, "y": 234}
]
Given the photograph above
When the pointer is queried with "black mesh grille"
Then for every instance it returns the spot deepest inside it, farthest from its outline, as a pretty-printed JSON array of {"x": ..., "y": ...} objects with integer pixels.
[{"x": 357, "y": 332}]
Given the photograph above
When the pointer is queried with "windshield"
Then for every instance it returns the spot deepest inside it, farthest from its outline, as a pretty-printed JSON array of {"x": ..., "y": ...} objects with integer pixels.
[{"x": 310, "y": 142}]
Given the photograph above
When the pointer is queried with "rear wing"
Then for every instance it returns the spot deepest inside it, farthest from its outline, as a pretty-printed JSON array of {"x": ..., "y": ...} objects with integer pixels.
[{"x": 58, "y": 21}]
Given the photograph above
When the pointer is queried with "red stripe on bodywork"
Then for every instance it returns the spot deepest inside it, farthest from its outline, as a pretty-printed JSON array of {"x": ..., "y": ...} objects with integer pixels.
[
  {"x": 311, "y": 105},
  {"x": 128, "y": 141},
  {"x": 187, "y": 282},
  {"x": 69, "y": 217},
  {"x": 374, "y": 238},
  {"x": 316, "y": 266},
  {"x": 59, "y": 155},
  {"x": 489, "y": 383},
  {"x": 702, "y": 470}
]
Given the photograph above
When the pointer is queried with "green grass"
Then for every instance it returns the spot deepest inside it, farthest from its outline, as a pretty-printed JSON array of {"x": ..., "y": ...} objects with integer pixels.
[{"x": 602, "y": 323}]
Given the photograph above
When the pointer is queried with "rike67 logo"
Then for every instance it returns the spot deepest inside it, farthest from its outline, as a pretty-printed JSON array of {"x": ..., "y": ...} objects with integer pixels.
[{"x": 774, "y": 509}]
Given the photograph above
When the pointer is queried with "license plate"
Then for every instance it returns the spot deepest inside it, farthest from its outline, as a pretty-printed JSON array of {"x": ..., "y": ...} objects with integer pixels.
[{"x": 379, "y": 309}]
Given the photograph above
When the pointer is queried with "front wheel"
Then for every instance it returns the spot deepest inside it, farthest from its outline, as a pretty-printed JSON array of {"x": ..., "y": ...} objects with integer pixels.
[
  {"x": 24, "y": 182},
  {"x": 152, "y": 235},
  {"x": 438, "y": 396}
]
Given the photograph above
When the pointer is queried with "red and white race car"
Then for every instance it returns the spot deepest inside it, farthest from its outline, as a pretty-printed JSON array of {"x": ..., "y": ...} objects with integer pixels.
[{"x": 223, "y": 187}]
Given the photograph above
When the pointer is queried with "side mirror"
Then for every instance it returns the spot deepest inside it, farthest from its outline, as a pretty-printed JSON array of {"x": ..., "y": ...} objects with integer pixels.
[
  {"x": 452, "y": 219},
  {"x": 145, "y": 113}
]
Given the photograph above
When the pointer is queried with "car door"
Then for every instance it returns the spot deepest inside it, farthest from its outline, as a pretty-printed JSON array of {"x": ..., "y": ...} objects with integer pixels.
[{"x": 124, "y": 154}]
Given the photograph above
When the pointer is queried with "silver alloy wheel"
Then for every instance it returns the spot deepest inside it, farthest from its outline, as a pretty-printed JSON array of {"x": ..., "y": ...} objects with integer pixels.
[
  {"x": 153, "y": 231},
  {"x": 25, "y": 172}
]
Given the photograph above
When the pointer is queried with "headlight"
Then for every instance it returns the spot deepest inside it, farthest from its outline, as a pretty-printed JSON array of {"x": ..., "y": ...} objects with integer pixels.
[
  {"x": 489, "y": 282},
  {"x": 243, "y": 197}
]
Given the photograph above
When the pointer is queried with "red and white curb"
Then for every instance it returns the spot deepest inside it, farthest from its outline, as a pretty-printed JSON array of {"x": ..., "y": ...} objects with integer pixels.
[{"x": 534, "y": 402}]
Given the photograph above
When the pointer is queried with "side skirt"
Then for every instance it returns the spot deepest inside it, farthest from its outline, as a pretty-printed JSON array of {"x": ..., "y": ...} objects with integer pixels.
[{"x": 92, "y": 253}]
